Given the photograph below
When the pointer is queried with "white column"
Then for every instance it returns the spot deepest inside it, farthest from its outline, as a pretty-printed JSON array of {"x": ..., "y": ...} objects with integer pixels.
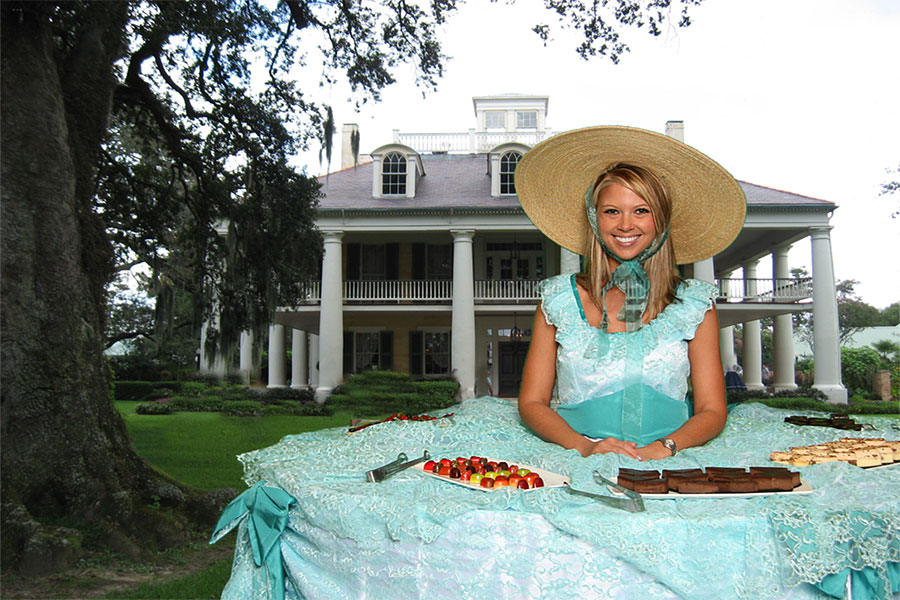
[
  {"x": 331, "y": 317},
  {"x": 299, "y": 359},
  {"x": 276, "y": 357},
  {"x": 705, "y": 270},
  {"x": 783, "y": 329},
  {"x": 246, "y": 363},
  {"x": 826, "y": 340},
  {"x": 726, "y": 340},
  {"x": 752, "y": 352},
  {"x": 726, "y": 347},
  {"x": 313, "y": 361},
  {"x": 462, "y": 345},
  {"x": 569, "y": 262}
]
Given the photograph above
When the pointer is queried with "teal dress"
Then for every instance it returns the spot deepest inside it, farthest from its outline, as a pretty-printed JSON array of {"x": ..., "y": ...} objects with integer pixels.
[{"x": 629, "y": 386}]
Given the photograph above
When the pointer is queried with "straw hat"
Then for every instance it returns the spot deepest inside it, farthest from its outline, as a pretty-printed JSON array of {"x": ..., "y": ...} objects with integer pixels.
[{"x": 708, "y": 205}]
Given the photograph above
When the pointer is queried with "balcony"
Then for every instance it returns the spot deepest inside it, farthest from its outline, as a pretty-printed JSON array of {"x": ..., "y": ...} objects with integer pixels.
[
  {"x": 408, "y": 291},
  {"x": 480, "y": 141}
]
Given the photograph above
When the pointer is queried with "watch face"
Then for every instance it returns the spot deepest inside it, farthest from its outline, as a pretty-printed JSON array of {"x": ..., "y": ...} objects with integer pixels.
[{"x": 670, "y": 444}]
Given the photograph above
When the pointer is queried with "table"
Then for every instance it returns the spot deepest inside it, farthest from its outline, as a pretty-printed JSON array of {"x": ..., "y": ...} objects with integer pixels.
[{"x": 413, "y": 536}]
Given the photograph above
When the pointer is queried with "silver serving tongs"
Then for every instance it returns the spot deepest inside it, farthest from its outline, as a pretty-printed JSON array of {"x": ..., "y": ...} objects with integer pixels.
[
  {"x": 382, "y": 473},
  {"x": 631, "y": 501}
]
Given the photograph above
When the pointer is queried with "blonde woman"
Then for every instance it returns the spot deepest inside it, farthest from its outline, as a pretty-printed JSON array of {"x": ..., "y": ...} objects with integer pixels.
[{"x": 621, "y": 339}]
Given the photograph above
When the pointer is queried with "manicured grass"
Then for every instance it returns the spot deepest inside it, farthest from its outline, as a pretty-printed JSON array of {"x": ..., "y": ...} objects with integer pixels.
[
  {"x": 199, "y": 448},
  {"x": 207, "y": 583}
]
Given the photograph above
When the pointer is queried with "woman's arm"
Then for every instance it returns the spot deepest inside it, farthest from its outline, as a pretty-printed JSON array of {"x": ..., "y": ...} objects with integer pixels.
[
  {"x": 708, "y": 384},
  {"x": 537, "y": 388}
]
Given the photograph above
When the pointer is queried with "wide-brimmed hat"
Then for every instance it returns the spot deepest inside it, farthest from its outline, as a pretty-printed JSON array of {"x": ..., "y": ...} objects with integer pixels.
[{"x": 708, "y": 205}]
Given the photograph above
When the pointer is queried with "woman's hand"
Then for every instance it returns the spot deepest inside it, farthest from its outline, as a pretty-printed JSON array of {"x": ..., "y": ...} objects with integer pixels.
[
  {"x": 608, "y": 445},
  {"x": 654, "y": 451}
]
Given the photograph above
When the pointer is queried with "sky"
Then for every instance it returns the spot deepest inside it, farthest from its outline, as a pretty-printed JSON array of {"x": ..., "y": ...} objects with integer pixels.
[{"x": 795, "y": 95}]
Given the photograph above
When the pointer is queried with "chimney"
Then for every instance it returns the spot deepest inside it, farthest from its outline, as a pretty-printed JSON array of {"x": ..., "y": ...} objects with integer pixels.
[
  {"x": 349, "y": 145},
  {"x": 675, "y": 129}
]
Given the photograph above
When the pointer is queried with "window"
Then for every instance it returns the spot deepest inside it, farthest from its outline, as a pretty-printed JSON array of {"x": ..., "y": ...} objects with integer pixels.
[
  {"x": 371, "y": 258},
  {"x": 508, "y": 163},
  {"x": 393, "y": 175},
  {"x": 432, "y": 262},
  {"x": 526, "y": 120},
  {"x": 494, "y": 119},
  {"x": 365, "y": 350},
  {"x": 429, "y": 352},
  {"x": 439, "y": 262}
]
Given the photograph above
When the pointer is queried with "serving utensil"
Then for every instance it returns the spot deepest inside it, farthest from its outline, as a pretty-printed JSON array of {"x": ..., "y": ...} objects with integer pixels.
[
  {"x": 627, "y": 500},
  {"x": 395, "y": 466}
]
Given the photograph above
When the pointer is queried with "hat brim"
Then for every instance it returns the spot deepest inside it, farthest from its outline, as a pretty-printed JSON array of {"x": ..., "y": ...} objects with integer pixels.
[{"x": 708, "y": 204}]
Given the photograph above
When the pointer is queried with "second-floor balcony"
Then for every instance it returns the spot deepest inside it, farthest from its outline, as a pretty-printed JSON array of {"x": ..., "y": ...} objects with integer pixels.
[{"x": 524, "y": 291}]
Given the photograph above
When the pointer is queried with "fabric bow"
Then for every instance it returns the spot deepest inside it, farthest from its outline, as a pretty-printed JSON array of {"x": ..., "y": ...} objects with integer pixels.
[{"x": 267, "y": 509}]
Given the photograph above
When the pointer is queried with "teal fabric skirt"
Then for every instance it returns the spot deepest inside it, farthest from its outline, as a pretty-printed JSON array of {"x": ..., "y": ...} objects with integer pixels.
[{"x": 650, "y": 416}]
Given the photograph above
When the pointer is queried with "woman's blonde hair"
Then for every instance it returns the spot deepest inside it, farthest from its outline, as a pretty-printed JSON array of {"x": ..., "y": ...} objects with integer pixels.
[{"x": 660, "y": 267}]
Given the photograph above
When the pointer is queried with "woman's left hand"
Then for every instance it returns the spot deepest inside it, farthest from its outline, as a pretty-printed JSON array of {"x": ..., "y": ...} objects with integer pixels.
[{"x": 654, "y": 451}]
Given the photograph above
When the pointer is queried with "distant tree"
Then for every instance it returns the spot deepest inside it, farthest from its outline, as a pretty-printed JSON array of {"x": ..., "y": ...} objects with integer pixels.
[
  {"x": 889, "y": 316},
  {"x": 889, "y": 351},
  {"x": 853, "y": 314},
  {"x": 891, "y": 187}
]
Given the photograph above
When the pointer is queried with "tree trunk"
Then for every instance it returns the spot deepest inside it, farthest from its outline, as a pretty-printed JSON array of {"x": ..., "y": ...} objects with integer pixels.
[{"x": 66, "y": 456}]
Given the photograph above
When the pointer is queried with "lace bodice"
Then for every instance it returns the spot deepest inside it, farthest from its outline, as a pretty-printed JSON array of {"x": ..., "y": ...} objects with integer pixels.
[{"x": 589, "y": 366}]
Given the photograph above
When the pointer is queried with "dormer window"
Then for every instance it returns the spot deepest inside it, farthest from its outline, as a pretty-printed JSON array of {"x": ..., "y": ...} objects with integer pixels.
[
  {"x": 526, "y": 119},
  {"x": 393, "y": 175},
  {"x": 508, "y": 163}
]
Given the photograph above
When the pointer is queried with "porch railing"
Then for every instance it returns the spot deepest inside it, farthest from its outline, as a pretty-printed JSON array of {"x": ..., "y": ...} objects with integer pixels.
[
  {"x": 403, "y": 291},
  {"x": 400, "y": 290},
  {"x": 765, "y": 290},
  {"x": 492, "y": 290}
]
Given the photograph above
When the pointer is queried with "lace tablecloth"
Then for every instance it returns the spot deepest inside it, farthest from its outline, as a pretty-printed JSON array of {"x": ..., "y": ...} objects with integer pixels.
[{"x": 413, "y": 536}]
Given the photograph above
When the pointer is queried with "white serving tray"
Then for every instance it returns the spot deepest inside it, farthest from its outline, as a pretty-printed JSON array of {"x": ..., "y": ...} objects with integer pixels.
[{"x": 550, "y": 478}]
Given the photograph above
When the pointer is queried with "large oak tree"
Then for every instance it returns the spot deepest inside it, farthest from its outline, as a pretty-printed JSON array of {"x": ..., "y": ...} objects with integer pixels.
[{"x": 129, "y": 128}]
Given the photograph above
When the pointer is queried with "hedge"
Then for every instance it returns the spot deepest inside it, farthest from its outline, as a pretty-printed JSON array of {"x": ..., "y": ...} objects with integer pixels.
[{"x": 144, "y": 391}]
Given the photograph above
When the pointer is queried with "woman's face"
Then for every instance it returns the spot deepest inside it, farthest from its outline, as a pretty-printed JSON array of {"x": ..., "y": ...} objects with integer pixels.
[{"x": 625, "y": 221}]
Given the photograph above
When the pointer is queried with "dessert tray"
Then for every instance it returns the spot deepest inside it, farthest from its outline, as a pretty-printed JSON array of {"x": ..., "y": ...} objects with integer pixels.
[
  {"x": 503, "y": 474},
  {"x": 713, "y": 482},
  {"x": 863, "y": 452},
  {"x": 803, "y": 488}
]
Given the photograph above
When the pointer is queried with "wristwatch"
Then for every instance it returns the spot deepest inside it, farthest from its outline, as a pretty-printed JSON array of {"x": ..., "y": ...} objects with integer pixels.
[{"x": 669, "y": 443}]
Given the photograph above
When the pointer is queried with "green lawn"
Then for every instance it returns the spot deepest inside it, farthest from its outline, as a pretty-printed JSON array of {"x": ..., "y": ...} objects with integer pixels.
[{"x": 199, "y": 448}]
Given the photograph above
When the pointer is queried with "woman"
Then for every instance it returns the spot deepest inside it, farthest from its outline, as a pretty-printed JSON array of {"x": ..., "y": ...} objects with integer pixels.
[{"x": 620, "y": 339}]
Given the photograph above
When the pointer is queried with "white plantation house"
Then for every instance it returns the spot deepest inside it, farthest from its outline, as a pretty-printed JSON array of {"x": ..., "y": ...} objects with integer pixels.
[{"x": 431, "y": 266}]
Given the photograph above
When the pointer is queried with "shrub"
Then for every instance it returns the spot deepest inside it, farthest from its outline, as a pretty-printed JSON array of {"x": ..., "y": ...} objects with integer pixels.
[
  {"x": 155, "y": 408},
  {"x": 136, "y": 367},
  {"x": 446, "y": 388},
  {"x": 242, "y": 408},
  {"x": 201, "y": 404},
  {"x": 858, "y": 365},
  {"x": 193, "y": 388},
  {"x": 144, "y": 391},
  {"x": 295, "y": 395}
]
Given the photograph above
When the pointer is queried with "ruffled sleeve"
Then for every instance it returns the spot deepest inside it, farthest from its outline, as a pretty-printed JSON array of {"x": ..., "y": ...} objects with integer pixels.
[
  {"x": 558, "y": 304},
  {"x": 679, "y": 321}
]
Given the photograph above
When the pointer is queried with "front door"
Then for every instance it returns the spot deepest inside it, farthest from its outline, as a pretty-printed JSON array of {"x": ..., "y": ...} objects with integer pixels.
[{"x": 512, "y": 361}]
